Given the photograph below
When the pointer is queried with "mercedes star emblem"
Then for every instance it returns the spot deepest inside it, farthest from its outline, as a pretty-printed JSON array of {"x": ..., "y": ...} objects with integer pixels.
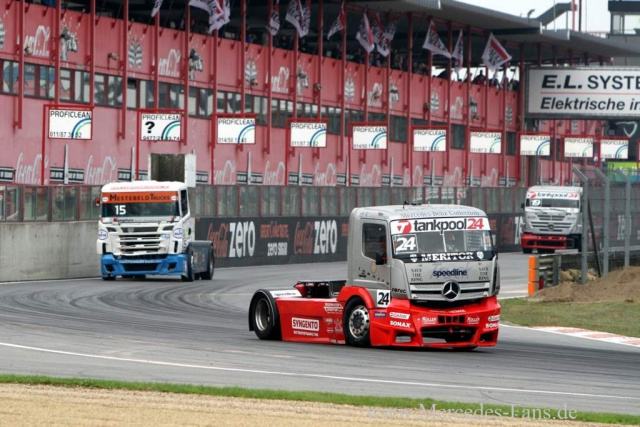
[{"x": 451, "y": 290}]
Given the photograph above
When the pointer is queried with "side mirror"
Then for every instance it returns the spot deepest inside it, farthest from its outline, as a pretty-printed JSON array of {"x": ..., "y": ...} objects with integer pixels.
[
  {"x": 96, "y": 202},
  {"x": 522, "y": 205},
  {"x": 380, "y": 259}
]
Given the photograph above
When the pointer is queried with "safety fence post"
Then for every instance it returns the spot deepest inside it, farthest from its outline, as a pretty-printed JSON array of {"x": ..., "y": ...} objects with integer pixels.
[
  {"x": 585, "y": 224},
  {"x": 607, "y": 218}
]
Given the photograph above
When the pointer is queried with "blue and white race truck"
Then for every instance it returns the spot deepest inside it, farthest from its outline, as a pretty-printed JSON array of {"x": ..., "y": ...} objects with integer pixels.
[{"x": 146, "y": 228}]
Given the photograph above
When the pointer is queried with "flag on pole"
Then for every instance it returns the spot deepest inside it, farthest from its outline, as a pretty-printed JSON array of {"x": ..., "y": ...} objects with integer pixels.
[
  {"x": 274, "y": 21},
  {"x": 384, "y": 36},
  {"x": 339, "y": 24},
  {"x": 365, "y": 34},
  {"x": 156, "y": 8},
  {"x": 458, "y": 54},
  {"x": 494, "y": 54},
  {"x": 433, "y": 42},
  {"x": 219, "y": 12},
  {"x": 299, "y": 16}
]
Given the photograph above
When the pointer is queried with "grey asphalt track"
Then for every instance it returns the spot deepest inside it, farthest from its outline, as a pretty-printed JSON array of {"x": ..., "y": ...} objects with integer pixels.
[{"x": 165, "y": 330}]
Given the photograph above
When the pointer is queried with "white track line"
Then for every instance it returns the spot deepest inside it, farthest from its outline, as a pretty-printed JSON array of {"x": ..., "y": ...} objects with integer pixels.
[{"x": 317, "y": 376}]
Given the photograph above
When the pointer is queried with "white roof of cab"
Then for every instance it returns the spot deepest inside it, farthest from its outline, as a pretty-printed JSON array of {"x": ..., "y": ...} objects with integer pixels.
[
  {"x": 554, "y": 189},
  {"x": 137, "y": 186},
  {"x": 396, "y": 212}
]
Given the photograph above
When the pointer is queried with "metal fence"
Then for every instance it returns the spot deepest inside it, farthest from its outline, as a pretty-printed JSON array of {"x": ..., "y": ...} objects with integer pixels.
[
  {"x": 23, "y": 203},
  {"x": 610, "y": 218}
]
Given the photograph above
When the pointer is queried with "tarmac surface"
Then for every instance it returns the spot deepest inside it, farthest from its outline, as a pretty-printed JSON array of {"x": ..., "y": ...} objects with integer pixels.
[{"x": 164, "y": 330}]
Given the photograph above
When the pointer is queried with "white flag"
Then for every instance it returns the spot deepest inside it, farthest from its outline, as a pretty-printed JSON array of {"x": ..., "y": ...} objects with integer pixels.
[
  {"x": 219, "y": 12},
  {"x": 384, "y": 45},
  {"x": 339, "y": 24},
  {"x": 494, "y": 54},
  {"x": 365, "y": 35},
  {"x": 458, "y": 53},
  {"x": 156, "y": 8},
  {"x": 433, "y": 42},
  {"x": 274, "y": 21},
  {"x": 299, "y": 16}
]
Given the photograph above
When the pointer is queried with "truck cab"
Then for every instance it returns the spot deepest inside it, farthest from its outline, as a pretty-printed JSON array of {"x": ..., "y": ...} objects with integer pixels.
[
  {"x": 146, "y": 228},
  {"x": 551, "y": 219},
  {"x": 418, "y": 276}
]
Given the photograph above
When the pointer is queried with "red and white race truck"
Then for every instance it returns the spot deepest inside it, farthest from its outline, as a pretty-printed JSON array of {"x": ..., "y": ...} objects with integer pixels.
[{"x": 418, "y": 276}]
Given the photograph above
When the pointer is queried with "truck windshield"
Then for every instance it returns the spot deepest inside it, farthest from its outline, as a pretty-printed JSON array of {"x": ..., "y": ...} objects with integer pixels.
[
  {"x": 132, "y": 210},
  {"x": 554, "y": 203},
  {"x": 470, "y": 236}
]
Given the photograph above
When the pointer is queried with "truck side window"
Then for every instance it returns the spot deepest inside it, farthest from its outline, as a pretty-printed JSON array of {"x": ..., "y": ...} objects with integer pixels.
[
  {"x": 184, "y": 200},
  {"x": 374, "y": 240}
]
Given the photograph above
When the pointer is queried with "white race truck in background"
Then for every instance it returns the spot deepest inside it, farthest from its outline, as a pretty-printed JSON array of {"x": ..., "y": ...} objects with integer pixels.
[
  {"x": 146, "y": 228},
  {"x": 551, "y": 219}
]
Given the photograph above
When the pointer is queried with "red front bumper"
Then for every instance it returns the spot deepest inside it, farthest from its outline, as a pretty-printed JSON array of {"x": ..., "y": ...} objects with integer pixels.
[
  {"x": 534, "y": 241},
  {"x": 408, "y": 325}
]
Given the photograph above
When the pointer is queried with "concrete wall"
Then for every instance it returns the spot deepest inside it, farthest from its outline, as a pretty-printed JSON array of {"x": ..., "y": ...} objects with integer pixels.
[{"x": 41, "y": 251}]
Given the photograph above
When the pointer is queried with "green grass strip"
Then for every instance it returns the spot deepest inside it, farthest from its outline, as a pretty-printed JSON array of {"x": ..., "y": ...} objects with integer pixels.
[
  {"x": 621, "y": 318},
  {"x": 377, "y": 403}
]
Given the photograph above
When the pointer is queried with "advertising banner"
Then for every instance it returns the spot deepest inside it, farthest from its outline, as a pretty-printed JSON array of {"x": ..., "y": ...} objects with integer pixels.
[
  {"x": 70, "y": 124},
  {"x": 236, "y": 130},
  {"x": 485, "y": 142},
  {"x": 160, "y": 127},
  {"x": 578, "y": 147},
  {"x": 535, "y": 145},
  {"x": 614, "y": 149},
  {"x": 308, "y": 134},
  {"x": 287, "y": 240},
  {"x": 429, "y": 140},
  {"x": 259, "y": 241},
  {"x": 583, "y": 92},
  {"x": 369, "y": 137}
]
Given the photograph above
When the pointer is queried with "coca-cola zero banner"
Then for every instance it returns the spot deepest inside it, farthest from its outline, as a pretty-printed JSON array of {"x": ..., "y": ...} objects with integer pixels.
[{"x": 258, "y": 241}]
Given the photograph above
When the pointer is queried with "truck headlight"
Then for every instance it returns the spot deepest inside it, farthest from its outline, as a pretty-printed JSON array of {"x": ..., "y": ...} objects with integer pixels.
[{"x": 165, "y": 235}]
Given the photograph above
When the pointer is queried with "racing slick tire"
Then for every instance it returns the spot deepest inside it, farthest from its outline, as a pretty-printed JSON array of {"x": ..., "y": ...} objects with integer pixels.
[
  {"x": 189, "y": 276},
  {"x": 263, "y": 317},
  {"x": 108, "y": 278},
  {"x": 208, "y": 275},
  {"x": 356, "y": 324},
  {"x": 546, "y": 251},
  {"x": 527, "y": 250}
]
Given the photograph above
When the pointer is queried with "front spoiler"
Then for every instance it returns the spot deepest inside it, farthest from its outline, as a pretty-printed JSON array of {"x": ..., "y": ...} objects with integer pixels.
[
  {"x": 541, "y": 241},
  {"x": 462, "y": 327},
  {"x": 173, "y": 264}
]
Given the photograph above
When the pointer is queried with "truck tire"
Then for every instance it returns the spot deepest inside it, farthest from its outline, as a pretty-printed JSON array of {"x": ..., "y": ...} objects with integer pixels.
[
  {"x": 263, "y": 315},
  {"x": 189, "y": 276},
  {"x": 208, "y": 275},
  {"x": 527, "y": 250},
  {"x": 356, "y": 324}
]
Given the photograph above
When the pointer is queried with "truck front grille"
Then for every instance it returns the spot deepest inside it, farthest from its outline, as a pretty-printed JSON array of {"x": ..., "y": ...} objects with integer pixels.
[
  {"x": 139, "y": 240},
  {"x": 433, "y": 291}
]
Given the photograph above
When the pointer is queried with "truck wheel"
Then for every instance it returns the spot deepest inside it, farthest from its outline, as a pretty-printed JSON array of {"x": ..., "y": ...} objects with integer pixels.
[
  {"x": 262, "y": 316},
  {"x": 208, "y": 275},
  {"x": 527, "y": 250},
  {"x": 356, "y": 324},
  {"x": 189, "y": 276}
]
